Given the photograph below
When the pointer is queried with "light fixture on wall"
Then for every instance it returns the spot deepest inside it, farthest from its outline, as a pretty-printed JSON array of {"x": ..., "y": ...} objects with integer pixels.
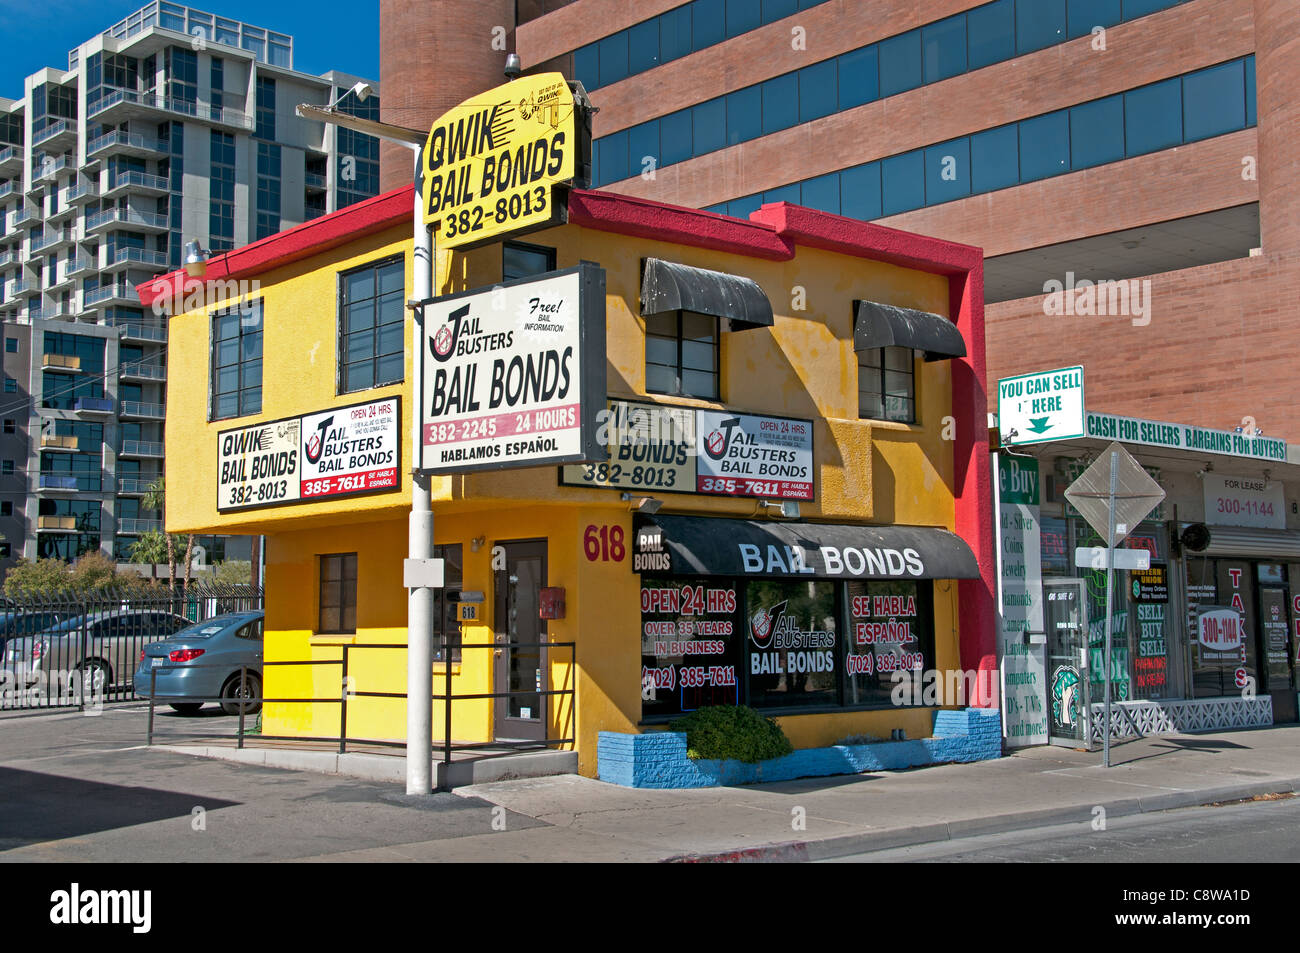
[
  {"x": 1208, "y": 468},
  {"x": 476, "y": 543},
  {"x": 196, "y": 259},
  {"x": 648, "y": 505},
  {"x": 789, "y": 509}
]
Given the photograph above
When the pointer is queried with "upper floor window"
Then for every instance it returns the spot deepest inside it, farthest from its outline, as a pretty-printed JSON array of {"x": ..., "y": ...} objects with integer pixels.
[
  {"x": 520, "y": 260},
  {"x": 682, "y": 355},
  {"x": 887, "y": 384},
  {"x": 236, "y": 386},
  {"x": 372, "y": 330}
]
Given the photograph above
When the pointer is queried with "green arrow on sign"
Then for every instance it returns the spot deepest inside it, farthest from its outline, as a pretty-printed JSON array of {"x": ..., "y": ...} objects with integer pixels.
[{"x": 1039, "y": 424}]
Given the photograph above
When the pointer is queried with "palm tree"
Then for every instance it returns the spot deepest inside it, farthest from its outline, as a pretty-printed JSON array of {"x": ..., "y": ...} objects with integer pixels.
[{"x": 155, "y": 499}]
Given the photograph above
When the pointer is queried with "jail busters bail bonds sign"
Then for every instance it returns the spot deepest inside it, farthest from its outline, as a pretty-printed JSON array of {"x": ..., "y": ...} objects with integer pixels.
[
  {"x": 341, "y": 451},
  {"x": 490, "y": 163},
  {"x": 514, "y": 376}
]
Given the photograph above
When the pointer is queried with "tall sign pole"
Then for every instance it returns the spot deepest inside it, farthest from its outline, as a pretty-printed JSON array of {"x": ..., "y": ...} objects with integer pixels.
[
  {"x": 419, "y": 658},
  {"x": 1110, "y": 586}
]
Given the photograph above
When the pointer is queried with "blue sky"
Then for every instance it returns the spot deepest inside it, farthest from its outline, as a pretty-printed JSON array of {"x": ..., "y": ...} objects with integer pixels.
[{"x": 328, "y": 34}]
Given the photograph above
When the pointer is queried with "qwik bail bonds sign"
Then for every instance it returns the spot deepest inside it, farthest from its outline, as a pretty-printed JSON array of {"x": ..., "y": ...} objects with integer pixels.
[
  {"x": 490, "y": 164},
  {"x": 514, "y": 376},
  {"x": 341, "y": 451}
]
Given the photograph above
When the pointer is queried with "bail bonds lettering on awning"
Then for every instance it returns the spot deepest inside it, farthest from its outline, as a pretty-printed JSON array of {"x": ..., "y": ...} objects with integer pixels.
[
  {"x": 703, "y": 546},
  {"x": 885, "y": 325},
  {"x": 740, "y": 302}
]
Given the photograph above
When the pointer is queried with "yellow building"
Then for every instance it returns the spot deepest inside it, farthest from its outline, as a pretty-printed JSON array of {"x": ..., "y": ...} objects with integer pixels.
[{"x": 833, "y": 366}]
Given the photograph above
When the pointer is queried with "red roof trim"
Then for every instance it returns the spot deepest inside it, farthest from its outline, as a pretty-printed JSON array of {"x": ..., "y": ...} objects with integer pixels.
[
  {"x": 771, "y": 233},
  {"x": 301, "y": 241}
]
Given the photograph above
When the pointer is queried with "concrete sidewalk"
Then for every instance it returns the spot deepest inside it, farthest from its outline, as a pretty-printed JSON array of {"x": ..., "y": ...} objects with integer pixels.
[{"x": 829, "y": 817}]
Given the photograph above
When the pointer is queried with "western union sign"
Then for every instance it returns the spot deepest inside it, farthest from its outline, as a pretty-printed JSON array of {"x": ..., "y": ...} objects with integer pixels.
[{"x": 490, "y": 163}]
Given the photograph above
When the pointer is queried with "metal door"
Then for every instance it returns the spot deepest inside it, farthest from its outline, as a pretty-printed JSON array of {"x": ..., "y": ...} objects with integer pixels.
[
  {"x": 1065, "y": 619},
  {"x": 520, "y": 663}
]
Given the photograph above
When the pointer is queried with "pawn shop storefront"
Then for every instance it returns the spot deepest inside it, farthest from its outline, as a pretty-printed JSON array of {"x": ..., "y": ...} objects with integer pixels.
[{"x": 1207, "y": 637}]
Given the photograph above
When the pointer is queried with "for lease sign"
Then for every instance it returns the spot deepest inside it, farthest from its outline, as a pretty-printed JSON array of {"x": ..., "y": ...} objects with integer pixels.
[
  {"x": 514, "y": 376},
  {"x": 336, "y": 452}
]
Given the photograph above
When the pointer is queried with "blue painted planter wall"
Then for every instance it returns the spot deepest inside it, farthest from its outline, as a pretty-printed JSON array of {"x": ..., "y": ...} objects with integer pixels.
[{"x": 658, "y": 759}]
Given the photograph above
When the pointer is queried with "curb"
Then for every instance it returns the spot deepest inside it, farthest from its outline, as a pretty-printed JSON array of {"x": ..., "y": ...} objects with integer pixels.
[{"x": 831, "y": 847}]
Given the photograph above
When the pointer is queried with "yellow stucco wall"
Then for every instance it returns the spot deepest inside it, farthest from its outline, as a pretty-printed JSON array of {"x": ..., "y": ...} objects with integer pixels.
[{"x": 877, "y": 472}]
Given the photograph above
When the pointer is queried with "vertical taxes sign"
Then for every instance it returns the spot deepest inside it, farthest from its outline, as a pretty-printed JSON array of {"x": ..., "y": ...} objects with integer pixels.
[
  {"x": 490, "y": 164},
  {"x": 514, "y": 376}
]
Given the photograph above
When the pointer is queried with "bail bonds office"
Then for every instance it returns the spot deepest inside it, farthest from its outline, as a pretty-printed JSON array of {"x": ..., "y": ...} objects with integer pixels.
[
  {"x": 676, "y": 459},
  {"x": 1204, "y": 638}
]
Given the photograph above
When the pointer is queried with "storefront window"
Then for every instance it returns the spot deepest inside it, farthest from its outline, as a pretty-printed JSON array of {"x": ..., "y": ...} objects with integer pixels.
[
  {"x": 793, "y": 643},
  {"x": 690, "y": 645},
  {"x": 890, "y": 630}
]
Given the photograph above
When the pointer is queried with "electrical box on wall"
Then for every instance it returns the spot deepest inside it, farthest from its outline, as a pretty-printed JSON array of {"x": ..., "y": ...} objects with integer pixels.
[{"x": 551, "y": 603}]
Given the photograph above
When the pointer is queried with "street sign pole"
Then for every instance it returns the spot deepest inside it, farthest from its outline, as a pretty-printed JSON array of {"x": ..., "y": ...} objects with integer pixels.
[{"x": 1110, "y": 581}]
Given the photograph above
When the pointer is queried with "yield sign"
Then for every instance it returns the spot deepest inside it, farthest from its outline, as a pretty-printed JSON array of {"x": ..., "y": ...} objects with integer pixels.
[{"x": 1136, "y": 494}]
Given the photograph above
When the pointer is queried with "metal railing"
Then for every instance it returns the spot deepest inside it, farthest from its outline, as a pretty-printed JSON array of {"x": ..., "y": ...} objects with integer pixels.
[
  {"x": 136, "y": 408},
  {"x": 105, "y": 293},
  {"x": 142, "y": 448},
  {"x": 232, "y": 117},
  {"x": 119, "y": 138},
  {"x": 49, "y": 239},
  {"x": 147, "y": 369},
  {"x": 139, "y": 255},
  {"x": 9, "y": 153},
  {"x": 79, "y": 649},
  {"x": 6, "y": 190},
  {"x": 136, "y": 527},
  {"x": 249, "y": 704},
  {"x": 132, "y": 486},
  {"x": 52, "y": 130},
  {"x": 141, "y": 179}
]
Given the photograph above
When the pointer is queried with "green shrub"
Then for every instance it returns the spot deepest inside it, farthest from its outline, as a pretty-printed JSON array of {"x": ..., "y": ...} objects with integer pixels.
[{"x": 732, "y": 731}]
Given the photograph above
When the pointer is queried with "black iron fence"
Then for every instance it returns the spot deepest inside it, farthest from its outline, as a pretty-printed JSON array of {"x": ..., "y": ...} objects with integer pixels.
[
  {"x": 80, "y": 649},
  {"x": 556, "y": 728}
]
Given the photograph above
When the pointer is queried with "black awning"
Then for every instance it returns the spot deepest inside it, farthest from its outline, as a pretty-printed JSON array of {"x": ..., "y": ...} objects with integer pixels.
[
  {"x": 884, "y": 325},
  {"x": 703, "y": 546},
  {"x": 668, "y": 286}
]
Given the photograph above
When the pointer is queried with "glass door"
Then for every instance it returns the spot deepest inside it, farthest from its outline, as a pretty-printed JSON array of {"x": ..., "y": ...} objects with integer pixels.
[
  {"x": 1065, "y": 618},
  {"x": 520, "y": 660}
]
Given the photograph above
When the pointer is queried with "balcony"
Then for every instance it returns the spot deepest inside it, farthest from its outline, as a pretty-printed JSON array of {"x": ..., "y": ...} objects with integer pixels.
[
  {"x": 57, "y": 524},
  {"x": 92, "y": 405},
  {"x": 141, "y": 182},
  {"x": 142, "y": 371},
  {"x": 59, "y": 441},
  {"x": 141, "y": 330},
  {"x": 49, "y": 169},
  {"x": 8, "y": 258},
  {"x": 11, "y": 160},
  {"x": 24, "y": 216},
  {"x": 61, "y": 362},
  {"x": 122, "y": 258},
  {"x": 110, "y": 295},
  {"x": 82, "y": 266},
  {"x": 53, "y": 238},
  {"x": 56, "y": 135},
  {"x": 141, "y": 448},
  {"x": 314, "y": 182},
  {"x": 135, "y": 486},
  {"x": 81, "y": 194},
  {"x": 126, "y": 144},
  {"x": 6, "y": 190},
  {"x": 57, "y": 483},
  {"x": 18, "y": 288},
  {"x": 51, "y": 312},
  {"x": 143, "y": 410},
  {"x": 142, "y": 221},
  {"x": 137, "y": 527},
  {"x": 125, "y": 103},
  {"x": 59, "y": 214}
]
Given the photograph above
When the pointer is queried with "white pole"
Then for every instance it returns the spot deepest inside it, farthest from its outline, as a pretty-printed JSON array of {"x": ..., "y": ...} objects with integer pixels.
[
  {"x": 1110, "y": 575},
  {"x": 419, "y": 655}
]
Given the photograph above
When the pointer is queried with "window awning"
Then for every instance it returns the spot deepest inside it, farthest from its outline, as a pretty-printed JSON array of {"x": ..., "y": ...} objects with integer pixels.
[
  {"x": 668, "y": 286},
  {"x": 884, "y": 325},
  {"x": 703, "y": 546}
]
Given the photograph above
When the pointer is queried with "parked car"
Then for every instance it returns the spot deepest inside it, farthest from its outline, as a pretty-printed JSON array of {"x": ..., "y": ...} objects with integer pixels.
[
  {"x": 206, "y": 660},
  {"x": 99, "y": 646},
  {"x": 17, "y": 626}
]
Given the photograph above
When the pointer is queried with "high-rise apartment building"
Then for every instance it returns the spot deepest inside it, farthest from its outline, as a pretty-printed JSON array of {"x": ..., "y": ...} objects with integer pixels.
[{"x": 171, "y": 126}]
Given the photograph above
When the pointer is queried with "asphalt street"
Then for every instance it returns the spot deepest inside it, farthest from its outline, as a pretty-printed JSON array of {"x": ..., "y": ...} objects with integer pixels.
[{"x": 1252, "y": 832}]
